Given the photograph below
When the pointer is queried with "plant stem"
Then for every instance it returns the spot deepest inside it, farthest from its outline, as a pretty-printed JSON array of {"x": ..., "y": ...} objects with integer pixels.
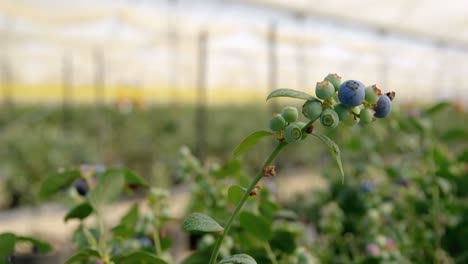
[
  {"x": 157, "y": 240},
  {"x": 270, "y": 254},
  {"x": 258, "y": 177},
  {"x": 102, "y": 239},
  {"x": 90, "y": 238}
]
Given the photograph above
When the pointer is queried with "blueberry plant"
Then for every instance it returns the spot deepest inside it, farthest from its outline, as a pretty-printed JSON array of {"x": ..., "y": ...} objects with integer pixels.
[
  {"x": 137, "y": 238},
  {"x": 349, "y": 102},
  {"x": 213, "y": 194},
  {"x": 404, "y": 202}
]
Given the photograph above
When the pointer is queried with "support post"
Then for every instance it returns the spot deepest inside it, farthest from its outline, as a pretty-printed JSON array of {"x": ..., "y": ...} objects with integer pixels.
[{"x": 201, "y": 111}]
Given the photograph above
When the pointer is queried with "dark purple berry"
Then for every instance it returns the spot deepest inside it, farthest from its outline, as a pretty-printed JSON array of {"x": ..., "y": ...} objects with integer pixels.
[
  {"x": 383, "y": 106},
  {"x": 352, "y": 93},
  {"x": 403, "y": 182},
  {"x": 366, "y": 187},
  {"x": 81, "y": 187},
  {"x": 145, "y": 242}
]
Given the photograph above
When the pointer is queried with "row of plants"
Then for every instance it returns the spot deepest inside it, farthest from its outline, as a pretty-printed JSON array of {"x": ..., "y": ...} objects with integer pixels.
[
  {"x": 393, "y": 195},
  {"x": 35, "y": 140}
]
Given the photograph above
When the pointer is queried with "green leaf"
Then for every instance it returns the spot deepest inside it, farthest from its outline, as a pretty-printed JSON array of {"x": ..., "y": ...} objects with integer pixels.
[
  {"x": 250, "y": 141},
  {"x": 230, "y": 168},
  {"x": 108, "y": 188},
  {"x": 283, "y": 241},
  {"x": 55, "y": 182},
  {"x": 437, "y": 108},
  {"x": 126, "y": 227},
  {"x": 238, "y": 259},
  {"x": 334, "y": 149},
  {"x": 41, "y": 246},
  {"x": 131, "y": 217},
  {"x": 256, "y": 225},
  {"x": 80, "y": 212},
  {"x": 83, "y": 254},
  {"x": 455, "y": 134},
  {"x": 7, "y": 244},
  {"x": 140, "y": 257},
  {"x": 235, "y": 193},
  {"x": 130, "y": 176},
  {"x": 199, "y": 257},
  {"x": 200, "y": 223},
  {"x": 290, "y": 93}
]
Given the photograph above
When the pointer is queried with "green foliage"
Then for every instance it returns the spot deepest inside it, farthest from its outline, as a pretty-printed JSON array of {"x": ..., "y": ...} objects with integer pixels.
[
  {"x": 238, "y": 259},
  {"x": 250, "y": 141},
  {"x": 57, "y": 181},
  {"x": 108, "y": 189},
  {"x": 126, "y": 227},
  {"x": 403, "y": 201},
  {"x": 256, "y": 226},
  {"x": 201, "y": 223},
  {"x": 290, "y": 93},
  {"x": 334, "y": 150},
  {"x": 9, "y": 240},
  {"x": 235, "y": 193},
  {"x": 83, "y": 254},
  {"x": 80, "y": 212},
  {"x": 138, "y": 257},
  {"x": 7, "y": 244}
]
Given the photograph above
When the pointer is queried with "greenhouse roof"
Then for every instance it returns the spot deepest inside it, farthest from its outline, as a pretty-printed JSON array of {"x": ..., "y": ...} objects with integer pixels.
[{"x": 400, "y": 43}]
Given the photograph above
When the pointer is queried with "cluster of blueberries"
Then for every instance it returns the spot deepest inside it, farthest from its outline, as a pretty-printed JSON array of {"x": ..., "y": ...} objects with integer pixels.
[{"x": 347, "y": 102}]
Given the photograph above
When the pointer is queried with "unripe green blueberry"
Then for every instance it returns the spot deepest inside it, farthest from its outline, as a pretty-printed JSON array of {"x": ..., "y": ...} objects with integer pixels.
[
  {"x": 335, "y": 80},
  {"x": 292, "y": 133},
  {"x": 329, "y": 118},
  {"x": 301, "y": 125},
  {"x": 352, "y": 118},
  {"x": 324, "y": 90},
  {"x": 277, "y": 123},
  {"x": 312, "y": 109},
  {"x": 372, "y": 94},
  {"x": 290, "y": 114},
  {"x": 342, "y": 111},
  {"x": 366, "y": 115}
]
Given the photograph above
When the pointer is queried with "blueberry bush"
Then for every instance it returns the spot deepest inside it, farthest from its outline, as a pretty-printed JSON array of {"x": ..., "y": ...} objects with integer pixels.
[{"x": 288, "y": 130}]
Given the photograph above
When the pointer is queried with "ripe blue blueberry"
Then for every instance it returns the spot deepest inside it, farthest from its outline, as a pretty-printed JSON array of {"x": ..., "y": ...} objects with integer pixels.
[
  {"x": 383, "y": 106},
  {"x": 81, "y": 187},
  {"x": 312, "y": 109},
  {"x": 351, "y": 93},
  {"x": 324, "y": 90}
]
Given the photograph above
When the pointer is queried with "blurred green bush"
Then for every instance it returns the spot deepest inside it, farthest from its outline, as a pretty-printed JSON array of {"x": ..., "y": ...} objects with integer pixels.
[{"x": 38, "y": 140}]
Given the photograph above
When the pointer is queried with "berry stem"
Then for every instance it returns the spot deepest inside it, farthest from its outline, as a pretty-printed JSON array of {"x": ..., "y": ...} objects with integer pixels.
[
  {"x": 304, "y": 129},
  {"x": 258, "y": 177}
]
